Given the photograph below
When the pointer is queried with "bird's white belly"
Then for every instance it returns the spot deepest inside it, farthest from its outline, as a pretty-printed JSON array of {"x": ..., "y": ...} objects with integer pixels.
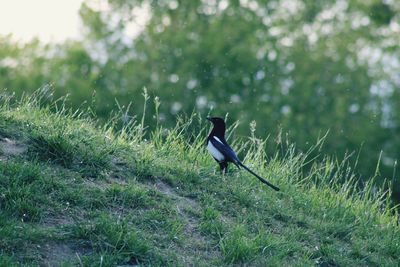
[{"x": 214, "y": 152}]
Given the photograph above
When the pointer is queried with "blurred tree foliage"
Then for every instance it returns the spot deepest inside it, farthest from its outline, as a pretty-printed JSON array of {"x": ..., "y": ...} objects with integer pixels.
[{"x": 305, "y": 67}]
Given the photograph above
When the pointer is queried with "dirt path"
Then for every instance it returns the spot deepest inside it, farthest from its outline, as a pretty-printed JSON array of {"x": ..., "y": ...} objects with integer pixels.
[{"x": 198, "y": 246}]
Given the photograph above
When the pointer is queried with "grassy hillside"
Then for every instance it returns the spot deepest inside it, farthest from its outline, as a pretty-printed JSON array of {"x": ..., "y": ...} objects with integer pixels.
[{"x": 74, "y": 194}]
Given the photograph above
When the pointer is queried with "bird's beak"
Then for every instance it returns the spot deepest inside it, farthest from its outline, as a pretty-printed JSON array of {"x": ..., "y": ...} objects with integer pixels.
[{"x": 208, "y": 118}]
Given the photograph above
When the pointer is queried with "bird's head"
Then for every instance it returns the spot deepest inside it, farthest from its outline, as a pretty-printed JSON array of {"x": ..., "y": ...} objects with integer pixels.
[
  {"x": 219, "y": 127},
  {"x": 216, "y": 120}
]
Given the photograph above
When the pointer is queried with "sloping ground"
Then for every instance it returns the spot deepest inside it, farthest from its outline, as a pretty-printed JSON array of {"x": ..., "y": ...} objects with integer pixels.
[{"x": 71, "y": 194}]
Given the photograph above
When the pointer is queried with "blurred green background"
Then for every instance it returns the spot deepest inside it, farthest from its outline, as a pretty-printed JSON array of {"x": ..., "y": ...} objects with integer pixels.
[{"x": 295, "y": 67}]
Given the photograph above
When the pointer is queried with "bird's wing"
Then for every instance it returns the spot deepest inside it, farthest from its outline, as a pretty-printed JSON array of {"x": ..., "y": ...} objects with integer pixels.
[{"x": 225, "y": 149}]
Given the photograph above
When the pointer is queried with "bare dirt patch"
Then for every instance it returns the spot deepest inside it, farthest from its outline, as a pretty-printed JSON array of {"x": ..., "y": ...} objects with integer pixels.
[
  {"x": 57, "y": 222},
  {"x": 9, "y": 147},
  {"x": 115, "y": 175},
  {"x": 182, "y": 202},
  {"x": 56, "y": 254}
]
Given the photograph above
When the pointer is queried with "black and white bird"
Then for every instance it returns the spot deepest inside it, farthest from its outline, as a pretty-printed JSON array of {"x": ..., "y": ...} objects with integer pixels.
[{"x": 223, "y": 153}]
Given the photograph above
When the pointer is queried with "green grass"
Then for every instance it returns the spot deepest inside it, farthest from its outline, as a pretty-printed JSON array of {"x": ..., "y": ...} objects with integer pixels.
[{"x": 79, "y": 194}]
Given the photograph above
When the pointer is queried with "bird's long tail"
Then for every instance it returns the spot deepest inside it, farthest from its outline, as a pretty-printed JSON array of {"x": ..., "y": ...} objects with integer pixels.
[{"x": 259, "y": 178}]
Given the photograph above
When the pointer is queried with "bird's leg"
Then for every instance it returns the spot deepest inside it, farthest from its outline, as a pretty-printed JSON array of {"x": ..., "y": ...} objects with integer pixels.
[
  {"x": 221, "y": 168},
  {"x": 224, "y": 167}
]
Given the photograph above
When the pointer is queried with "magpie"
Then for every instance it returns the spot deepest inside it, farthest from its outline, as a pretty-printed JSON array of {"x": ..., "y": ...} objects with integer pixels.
[{"x": 223, "y": 153}]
